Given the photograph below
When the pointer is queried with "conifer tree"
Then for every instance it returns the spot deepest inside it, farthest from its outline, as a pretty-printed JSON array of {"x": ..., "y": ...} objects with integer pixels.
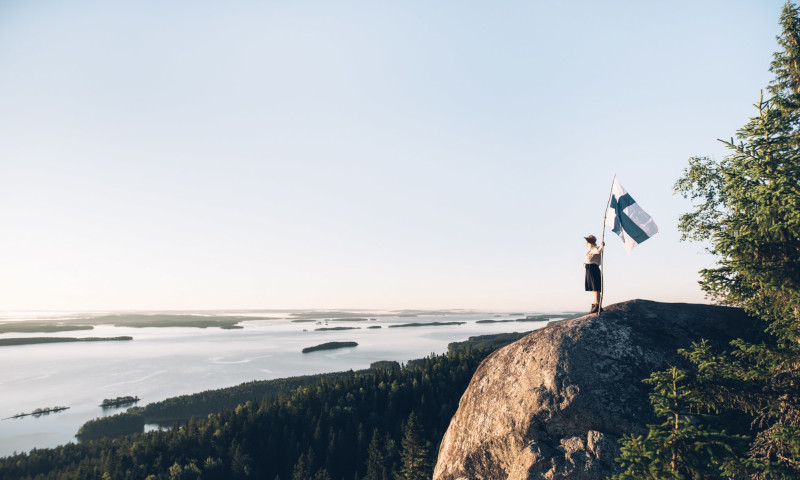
[
  {"x": 682, "y": 446},
  {"x": 414, "y": 462},
  {"x": 302, "y": 469},
  {"x": 240, "y": 461},
  {"x": 322, "y": 474},
  {"x": 747, "y": 209},
  {"x": 376, "y": 462}
]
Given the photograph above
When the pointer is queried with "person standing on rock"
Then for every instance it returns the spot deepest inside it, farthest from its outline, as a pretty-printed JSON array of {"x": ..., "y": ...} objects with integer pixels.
[{"x": 592, "y": 264}]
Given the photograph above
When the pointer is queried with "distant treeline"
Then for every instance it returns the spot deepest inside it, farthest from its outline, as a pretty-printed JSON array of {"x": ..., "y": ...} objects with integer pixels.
[
  {"x": 40, "y": 327},
  {"x": 366, "y": 424},
  {"x": 529, "y": 318},
  {"x": 485, "y": 342},
  {"x": 127, "y": 320},
  {"x": 9, "y": 342}
]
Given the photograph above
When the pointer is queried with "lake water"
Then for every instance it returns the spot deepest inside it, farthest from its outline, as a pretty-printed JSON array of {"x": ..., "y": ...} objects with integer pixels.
[{"x": 164, "y": 362}]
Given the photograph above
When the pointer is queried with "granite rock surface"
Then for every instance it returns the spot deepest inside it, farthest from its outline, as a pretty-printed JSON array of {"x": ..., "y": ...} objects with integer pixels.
[{"x": 554, "y": 404}]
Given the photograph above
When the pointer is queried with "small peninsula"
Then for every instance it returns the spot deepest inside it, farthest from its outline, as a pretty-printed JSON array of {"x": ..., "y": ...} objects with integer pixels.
[{"x": 329, "y": 346}]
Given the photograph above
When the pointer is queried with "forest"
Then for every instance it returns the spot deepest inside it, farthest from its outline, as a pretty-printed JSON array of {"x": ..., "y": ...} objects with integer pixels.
[{"x": 373, "y": 424}]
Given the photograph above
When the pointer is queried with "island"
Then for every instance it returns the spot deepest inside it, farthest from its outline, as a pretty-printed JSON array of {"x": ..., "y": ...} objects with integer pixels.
[
  {"x": 426, "y": 324},
  {"x": 538, "y": 318},
  {"x": 118, "y": 402},
  {"x": 11, "y": 342},
  {"x": 40, "y": 327},
  {"x": 329, "y": 346},
  {"x": 324, "y": 329},
  {"x": 135, "y": 320},
  {"x": 324, "y": 314},
  {"x": 40, "y": 411},
  {"x": 169, "y": 320}
]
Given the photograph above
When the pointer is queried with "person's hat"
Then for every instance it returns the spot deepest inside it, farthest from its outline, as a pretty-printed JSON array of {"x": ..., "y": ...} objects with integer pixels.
[{"x": 591, "y": 239}]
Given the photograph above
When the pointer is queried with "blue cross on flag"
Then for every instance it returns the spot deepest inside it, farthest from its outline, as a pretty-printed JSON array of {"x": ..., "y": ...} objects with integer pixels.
[{"x": 629, "y": 221}]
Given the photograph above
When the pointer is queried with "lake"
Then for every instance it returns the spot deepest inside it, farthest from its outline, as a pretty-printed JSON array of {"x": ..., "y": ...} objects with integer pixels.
[{"x": 168, "y": 361}]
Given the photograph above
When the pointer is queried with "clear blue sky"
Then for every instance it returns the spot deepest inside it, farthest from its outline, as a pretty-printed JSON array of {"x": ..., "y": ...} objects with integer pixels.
[{"x": 354, "y": 154}]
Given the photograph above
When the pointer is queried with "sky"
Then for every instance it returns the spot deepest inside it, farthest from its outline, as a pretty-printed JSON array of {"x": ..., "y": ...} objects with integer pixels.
[{"x": 351, "y": 154}]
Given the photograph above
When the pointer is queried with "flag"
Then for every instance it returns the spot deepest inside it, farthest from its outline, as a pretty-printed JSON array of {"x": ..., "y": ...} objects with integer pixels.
[{"x": 629, "y": 221}]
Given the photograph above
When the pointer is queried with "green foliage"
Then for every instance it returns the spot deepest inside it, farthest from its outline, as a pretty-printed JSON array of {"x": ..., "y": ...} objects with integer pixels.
[
  {"x": 684, "y": 445},
  {"x": 181, "y": 408},
  {"x": 114, "y": 425},
  {"x": 315, "y": 431},
  {"x": 747, "y": 211},
  {"x": 376, "y": 459},
  {"x": 414, "y": 461}
]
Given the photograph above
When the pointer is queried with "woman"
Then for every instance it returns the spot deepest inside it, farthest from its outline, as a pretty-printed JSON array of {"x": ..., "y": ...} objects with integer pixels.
[{"x": 592, "y": 264}]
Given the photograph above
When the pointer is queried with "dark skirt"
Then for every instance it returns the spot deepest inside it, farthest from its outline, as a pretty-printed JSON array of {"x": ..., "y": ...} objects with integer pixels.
[{"x": 592, "y": 277}]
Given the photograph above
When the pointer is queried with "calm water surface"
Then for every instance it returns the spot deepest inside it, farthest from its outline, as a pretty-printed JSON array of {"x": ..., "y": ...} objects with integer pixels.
[{"x": 165, "y": 362}]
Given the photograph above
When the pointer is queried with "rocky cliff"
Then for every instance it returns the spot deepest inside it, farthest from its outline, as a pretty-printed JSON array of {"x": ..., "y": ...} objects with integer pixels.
[{"x": 553, "y": 404}]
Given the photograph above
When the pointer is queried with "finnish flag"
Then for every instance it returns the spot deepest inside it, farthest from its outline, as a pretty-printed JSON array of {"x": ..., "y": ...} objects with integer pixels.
[{"x": 627, "y": 219}]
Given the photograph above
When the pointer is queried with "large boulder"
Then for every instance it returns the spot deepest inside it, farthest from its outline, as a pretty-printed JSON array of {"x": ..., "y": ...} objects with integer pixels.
[{"x": 554, "y": 404}]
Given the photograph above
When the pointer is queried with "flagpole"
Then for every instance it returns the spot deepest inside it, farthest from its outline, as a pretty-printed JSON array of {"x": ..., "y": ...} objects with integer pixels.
[{"x": 603, "y": 248}]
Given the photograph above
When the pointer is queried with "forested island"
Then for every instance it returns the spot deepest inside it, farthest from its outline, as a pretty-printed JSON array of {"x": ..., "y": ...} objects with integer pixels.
[
  {"x": 326, "y": 329},
  {"x": 40, "y": 327},
  {"x": 119, "y": 401},
  {"x": 529, "y": 318},
  {"x": 329, "y": 346},
  {"x": 343, "y": 314},
  {"x": 41, "y": 411},
  {"x": 538, "y": 318},
  {"x": 9, "y": 342},
  {"x": 169, "y": 320},
  {"x": 426, "y": 324}
]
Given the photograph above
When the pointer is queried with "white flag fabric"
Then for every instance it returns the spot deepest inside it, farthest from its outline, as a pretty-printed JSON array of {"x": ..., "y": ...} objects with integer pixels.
[{"x": 627, "y": 219}]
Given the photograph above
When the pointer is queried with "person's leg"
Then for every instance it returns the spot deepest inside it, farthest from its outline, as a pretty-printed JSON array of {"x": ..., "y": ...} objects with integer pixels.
[{"x": 596, "y": 305}]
